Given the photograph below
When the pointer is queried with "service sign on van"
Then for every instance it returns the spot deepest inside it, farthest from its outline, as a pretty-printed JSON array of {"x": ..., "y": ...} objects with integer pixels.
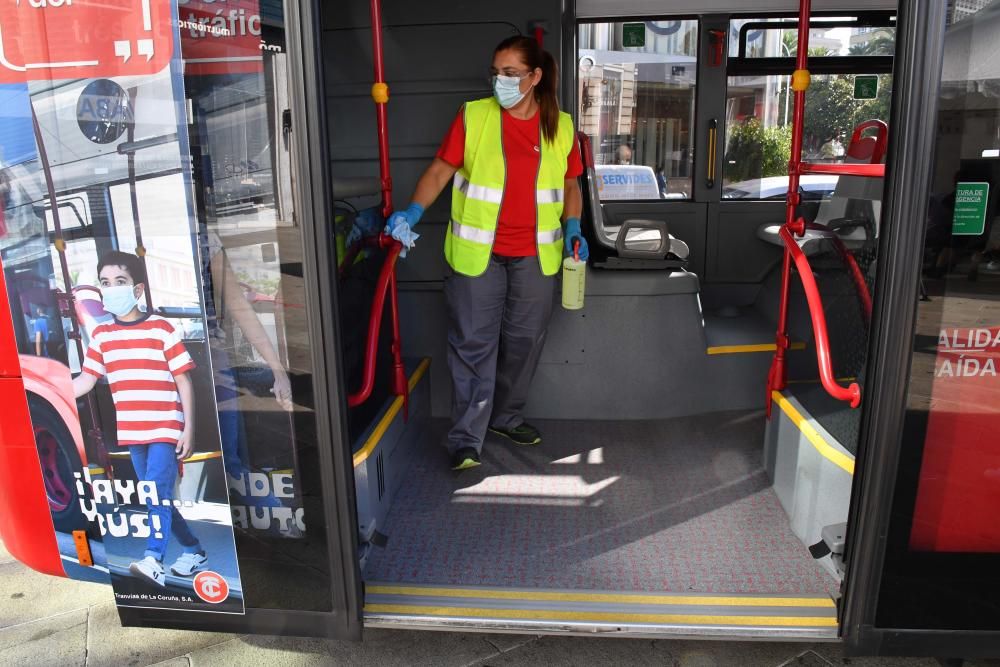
[{"x": 627, "y": 181}]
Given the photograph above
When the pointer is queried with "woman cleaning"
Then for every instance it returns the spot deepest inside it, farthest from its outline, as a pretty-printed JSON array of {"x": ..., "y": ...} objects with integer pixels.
[{"x": 514, "y": 162}]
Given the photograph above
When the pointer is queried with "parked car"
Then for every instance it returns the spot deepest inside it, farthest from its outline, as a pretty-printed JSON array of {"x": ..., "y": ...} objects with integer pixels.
[{"x": 812, "y": 186}]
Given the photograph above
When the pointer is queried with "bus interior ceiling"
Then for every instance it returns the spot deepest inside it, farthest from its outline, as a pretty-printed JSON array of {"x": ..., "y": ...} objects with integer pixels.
[{"x": 658, "y": 470}]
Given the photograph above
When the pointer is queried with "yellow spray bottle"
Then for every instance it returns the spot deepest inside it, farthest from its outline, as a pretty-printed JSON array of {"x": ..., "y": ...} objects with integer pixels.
[{"x": 574, "y": 280}]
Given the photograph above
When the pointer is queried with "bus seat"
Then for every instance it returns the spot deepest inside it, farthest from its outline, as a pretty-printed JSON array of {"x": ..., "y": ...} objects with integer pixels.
[
  {"x": 854, "y": 208},
  {"x": 638, "y": 244}
]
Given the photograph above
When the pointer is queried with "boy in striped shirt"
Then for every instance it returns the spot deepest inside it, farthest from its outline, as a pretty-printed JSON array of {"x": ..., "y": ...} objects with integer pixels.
[{"x": 146, "y": 365}]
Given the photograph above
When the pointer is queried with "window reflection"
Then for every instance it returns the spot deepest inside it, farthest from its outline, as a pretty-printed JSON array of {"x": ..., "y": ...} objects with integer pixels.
[{"x": 637, "y": 105}]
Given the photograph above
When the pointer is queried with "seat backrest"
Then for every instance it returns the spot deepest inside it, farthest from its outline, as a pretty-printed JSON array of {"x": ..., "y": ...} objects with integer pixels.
[
  {"x": 646, "y": 243},
  {"x": 868, "y": 145}
]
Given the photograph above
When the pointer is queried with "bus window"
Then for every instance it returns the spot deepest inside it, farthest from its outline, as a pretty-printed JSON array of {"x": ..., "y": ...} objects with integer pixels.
[
  {"x": 168, "y": 262},
  {"x": 636, "y": 102},
  {"x": 759, "y": 103}
]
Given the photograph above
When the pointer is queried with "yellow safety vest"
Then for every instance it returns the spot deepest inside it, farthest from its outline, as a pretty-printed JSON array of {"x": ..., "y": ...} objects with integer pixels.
[{"x": 478, "y": 190}]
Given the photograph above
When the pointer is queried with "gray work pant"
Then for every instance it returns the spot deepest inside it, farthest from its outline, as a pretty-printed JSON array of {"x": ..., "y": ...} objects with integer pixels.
[{"x": 496, "y": 331}]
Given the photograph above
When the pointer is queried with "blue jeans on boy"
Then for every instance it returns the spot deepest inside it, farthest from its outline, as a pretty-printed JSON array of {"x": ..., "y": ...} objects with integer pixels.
[{"x": 157, "y": 463}]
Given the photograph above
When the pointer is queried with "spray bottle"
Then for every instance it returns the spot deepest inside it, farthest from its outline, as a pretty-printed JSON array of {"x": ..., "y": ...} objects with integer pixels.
[{"x": 574, "y": 280}]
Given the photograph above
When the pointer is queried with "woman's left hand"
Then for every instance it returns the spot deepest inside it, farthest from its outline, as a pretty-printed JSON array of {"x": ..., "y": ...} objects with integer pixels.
[
  {"x": 575, "y": 235},
  {"x": 282, "y": 389}
]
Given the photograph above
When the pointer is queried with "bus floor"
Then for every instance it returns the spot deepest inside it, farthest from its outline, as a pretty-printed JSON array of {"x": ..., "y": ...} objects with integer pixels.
[{"x": 679, "y": 505}]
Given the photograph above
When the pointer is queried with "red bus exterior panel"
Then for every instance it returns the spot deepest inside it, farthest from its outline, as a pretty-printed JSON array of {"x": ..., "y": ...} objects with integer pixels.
[{"x": 25, "y": 522}]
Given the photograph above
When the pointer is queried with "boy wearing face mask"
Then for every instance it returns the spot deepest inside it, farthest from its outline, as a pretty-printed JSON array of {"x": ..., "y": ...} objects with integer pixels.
[{"x": 146, "y": 365}]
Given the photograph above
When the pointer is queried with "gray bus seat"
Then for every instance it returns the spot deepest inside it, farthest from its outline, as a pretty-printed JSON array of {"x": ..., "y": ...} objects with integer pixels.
[
  {"x": 639, "y": 244},
  {"x": 854, "y": 209},
  {"x": 811, "y": 243}
]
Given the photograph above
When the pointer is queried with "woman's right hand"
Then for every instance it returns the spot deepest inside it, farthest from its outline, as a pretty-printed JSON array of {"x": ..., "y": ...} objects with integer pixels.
[
  {"x": 400, "y": 224},
  {"x": 409, "y": 216}
]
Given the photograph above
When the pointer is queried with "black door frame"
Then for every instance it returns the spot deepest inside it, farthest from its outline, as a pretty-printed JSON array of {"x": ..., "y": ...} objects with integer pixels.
[
  {"x": 913, "y": 130},
  {"x": 313, "y": 206}
]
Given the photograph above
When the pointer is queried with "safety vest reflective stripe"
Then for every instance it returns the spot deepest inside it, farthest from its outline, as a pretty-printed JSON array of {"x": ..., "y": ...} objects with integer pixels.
[
  {"x": 549, "y": 196},
  {"x": 478, "y": 192},
  {"x": 495, "y": 195},
  {"x": 486, "y": 237},
  {"x": 473, "y": 234},
  {"x": 550, "y": 236}
]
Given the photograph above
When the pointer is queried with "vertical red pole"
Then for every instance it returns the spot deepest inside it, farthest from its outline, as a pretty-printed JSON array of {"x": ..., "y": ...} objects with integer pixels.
[
  {"x": 380, "y": 93},
  {"x": 776, "y": 377}
]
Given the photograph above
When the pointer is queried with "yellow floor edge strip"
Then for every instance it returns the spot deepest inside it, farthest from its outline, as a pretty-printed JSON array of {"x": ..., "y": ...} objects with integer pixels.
[
  {"x": 362, "y": 454},
  {"x": 603, "y": 617},
  {"x": 638, "y": 598},
  {"x": 822, "y": 446},
  {"x": 741, "y": 349}
]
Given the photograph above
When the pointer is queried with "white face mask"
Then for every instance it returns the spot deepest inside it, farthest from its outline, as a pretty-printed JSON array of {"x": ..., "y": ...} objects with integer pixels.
[
  {"x": 119, "y": 300},
  {"x": 507, "y": 90}
]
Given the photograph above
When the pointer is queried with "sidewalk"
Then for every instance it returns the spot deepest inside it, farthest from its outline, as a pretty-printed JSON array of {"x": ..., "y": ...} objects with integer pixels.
[{"x": 50, "y": 621}]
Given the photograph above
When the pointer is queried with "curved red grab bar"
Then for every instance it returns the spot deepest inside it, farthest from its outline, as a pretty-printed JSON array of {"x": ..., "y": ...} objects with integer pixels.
[
  {"x": 386, "y": 282},
  {"x": 852, "y": 265},
  {"x": 852, "y": 393}
]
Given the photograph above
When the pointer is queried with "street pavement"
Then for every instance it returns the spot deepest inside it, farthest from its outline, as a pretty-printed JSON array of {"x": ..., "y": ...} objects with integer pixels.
[{"x": 51, "y": 621}]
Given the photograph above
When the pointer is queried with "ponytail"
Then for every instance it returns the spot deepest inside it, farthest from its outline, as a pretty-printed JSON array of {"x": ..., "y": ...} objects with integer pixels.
[
  {"x": 546, "y": 92},
  {"x": 547, "y": 96}
]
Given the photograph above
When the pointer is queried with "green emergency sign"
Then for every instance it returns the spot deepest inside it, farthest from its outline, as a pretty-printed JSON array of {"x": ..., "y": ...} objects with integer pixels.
[
  {"x": 865, "y": 87},
  {"x": 969, "y": 218},
  {"x": 634, "y": 35}
]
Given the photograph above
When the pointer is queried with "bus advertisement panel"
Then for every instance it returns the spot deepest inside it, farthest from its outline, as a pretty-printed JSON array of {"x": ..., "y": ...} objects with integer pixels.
[{"x": 104, "y": 276}]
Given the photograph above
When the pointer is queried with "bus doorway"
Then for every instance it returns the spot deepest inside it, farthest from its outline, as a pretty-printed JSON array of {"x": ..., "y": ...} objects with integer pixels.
[
  {"x": 177, "y": 172},
  {"x": 663, "y": 497}
]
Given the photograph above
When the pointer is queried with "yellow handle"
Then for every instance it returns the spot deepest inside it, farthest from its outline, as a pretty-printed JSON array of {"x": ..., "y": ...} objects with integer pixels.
[
  {"x": 713, "y": 132},
  {"x": 800, "y": 80}
]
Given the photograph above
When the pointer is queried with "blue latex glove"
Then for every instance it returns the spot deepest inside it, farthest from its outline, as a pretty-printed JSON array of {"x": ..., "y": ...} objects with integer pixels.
[
  {"x": 406, "y": 236},
  {"x": 366, "y": 223},
  {"x": 574, "y": 234},
  {"x": 400, "y": 224},
  {"x": 409, "y": 216}
]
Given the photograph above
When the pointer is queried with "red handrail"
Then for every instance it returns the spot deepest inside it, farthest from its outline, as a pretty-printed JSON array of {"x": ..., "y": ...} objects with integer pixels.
[
  {"x": 842, "y": 169},
  {"x": 852, "y": 393},
  {"x": 380, "y": 94},
  {"x": 386, "y": 285},
  {"x": 800, "y": 81},
  {"x": 857, "y": 275}
]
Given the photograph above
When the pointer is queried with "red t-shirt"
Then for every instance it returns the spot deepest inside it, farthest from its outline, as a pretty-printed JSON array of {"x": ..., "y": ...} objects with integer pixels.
[{"x": 516, "y": 227}]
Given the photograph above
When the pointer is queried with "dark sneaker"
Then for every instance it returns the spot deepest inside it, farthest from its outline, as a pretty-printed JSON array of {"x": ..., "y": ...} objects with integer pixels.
[
  {"x": 465, "y": 458},
  {"x": 525, "y": 434}
]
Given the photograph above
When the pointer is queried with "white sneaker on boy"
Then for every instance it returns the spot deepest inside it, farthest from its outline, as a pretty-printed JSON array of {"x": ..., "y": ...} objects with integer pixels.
[
  {"x": 149, "y": 569},
  {"x": 188, "y": 564}
]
